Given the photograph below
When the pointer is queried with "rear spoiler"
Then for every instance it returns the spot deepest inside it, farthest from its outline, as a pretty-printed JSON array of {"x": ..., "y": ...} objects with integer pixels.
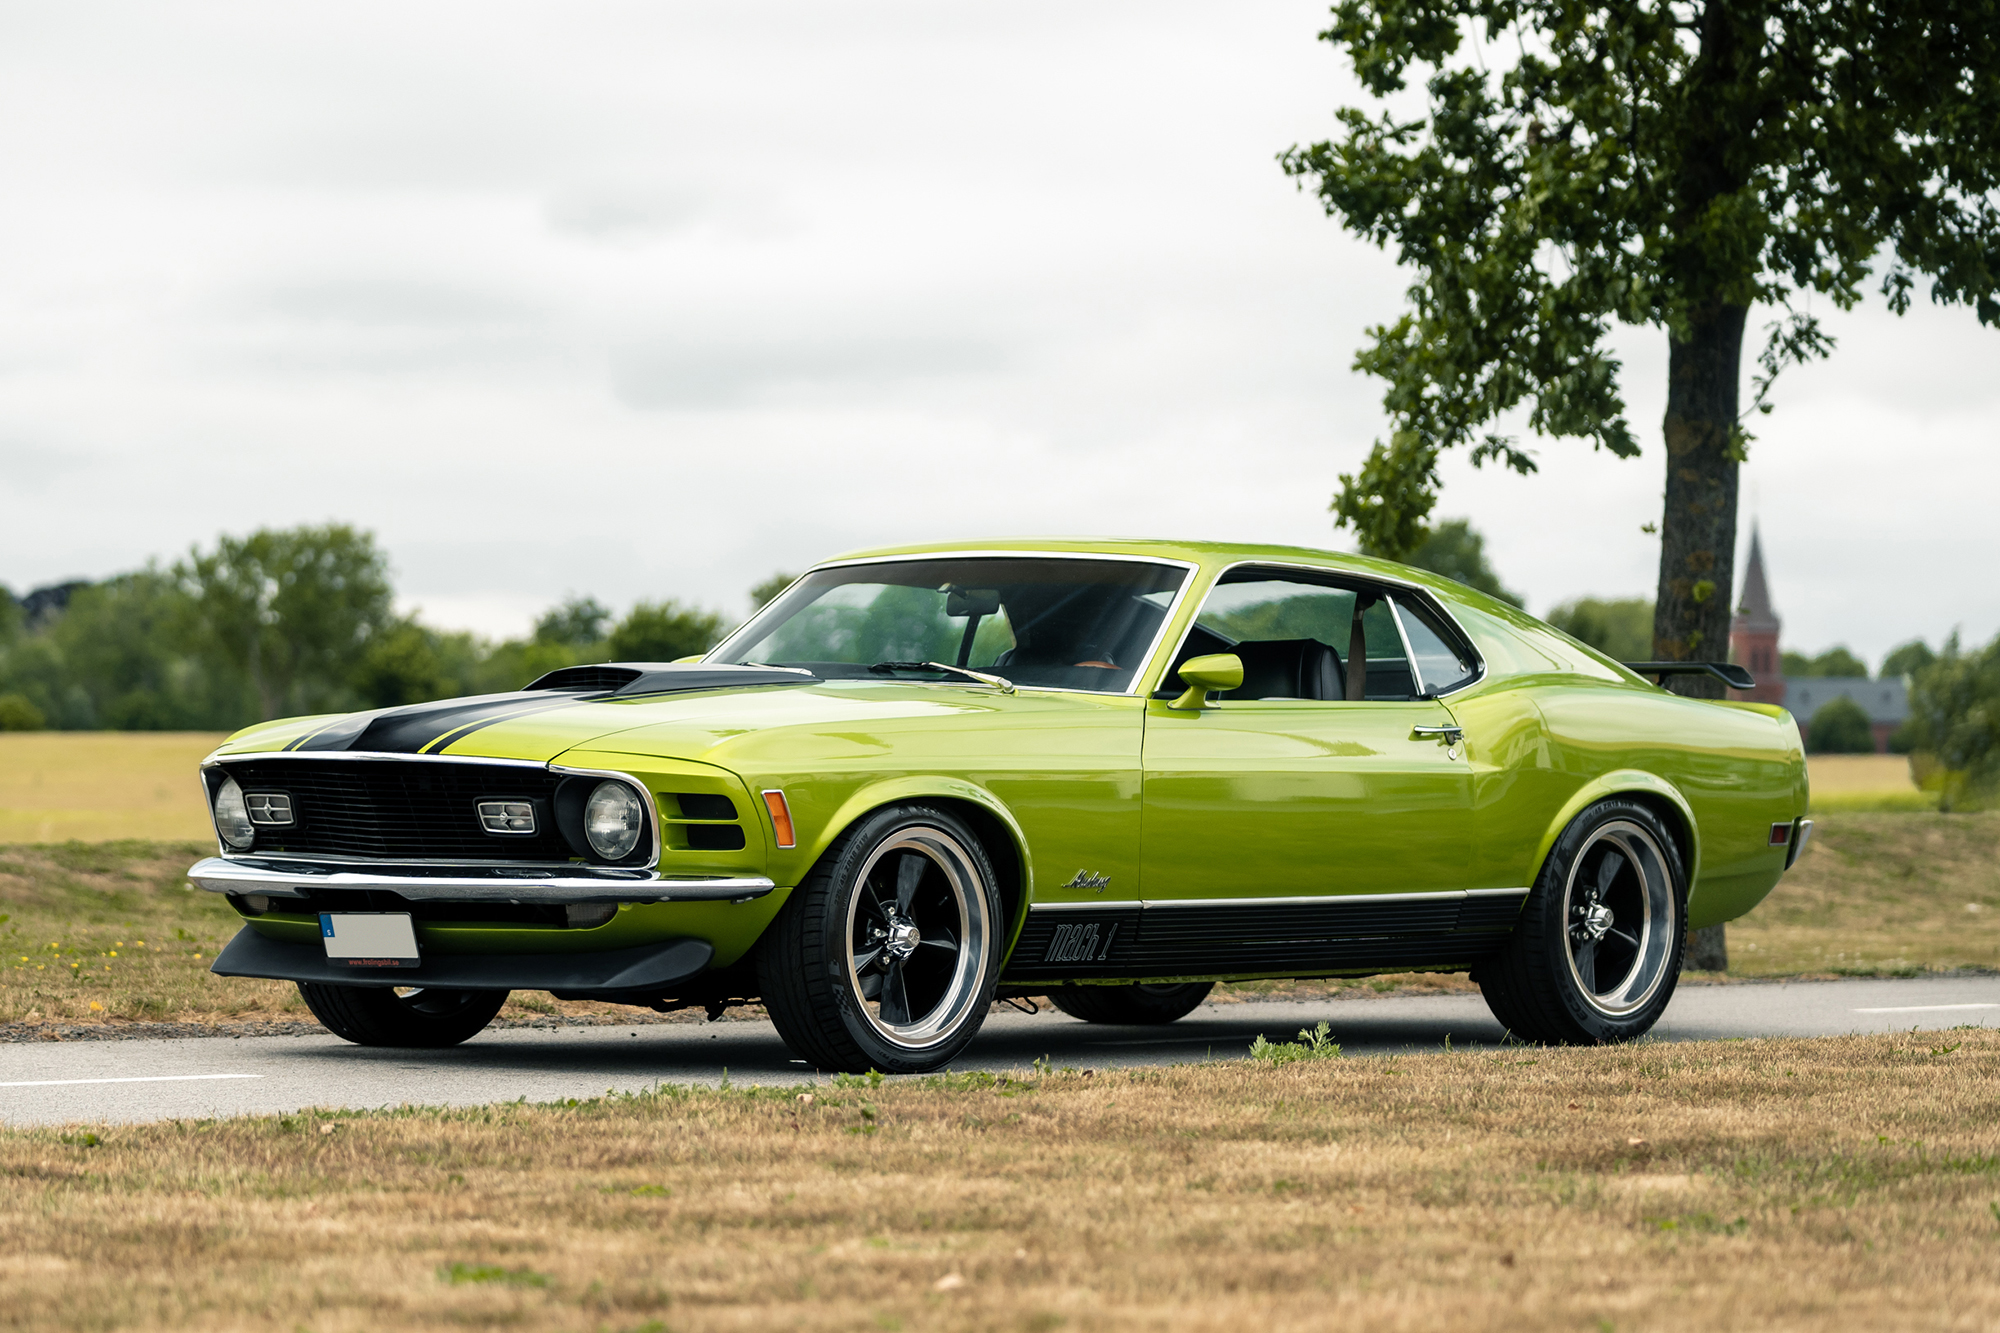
[{"x": 1735, "y": 677}]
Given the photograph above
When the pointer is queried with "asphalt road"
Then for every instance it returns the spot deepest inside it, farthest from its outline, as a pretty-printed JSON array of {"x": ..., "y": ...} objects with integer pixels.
[{"x": 124, "y": 1081}]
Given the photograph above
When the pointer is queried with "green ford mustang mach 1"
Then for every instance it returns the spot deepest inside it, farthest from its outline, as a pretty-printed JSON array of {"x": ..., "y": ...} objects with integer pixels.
[{"x": 1112, "y": 773}]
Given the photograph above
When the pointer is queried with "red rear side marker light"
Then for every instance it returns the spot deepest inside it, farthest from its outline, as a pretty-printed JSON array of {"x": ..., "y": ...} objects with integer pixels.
[
  {"x": 781, "y": 818},
  {"x": 1781, "y": 835}
]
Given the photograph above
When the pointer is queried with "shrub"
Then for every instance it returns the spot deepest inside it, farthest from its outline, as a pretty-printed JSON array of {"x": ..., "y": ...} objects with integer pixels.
[
  {"x": 1840, "y": 727},
  {"x": 18, "y": 713}
]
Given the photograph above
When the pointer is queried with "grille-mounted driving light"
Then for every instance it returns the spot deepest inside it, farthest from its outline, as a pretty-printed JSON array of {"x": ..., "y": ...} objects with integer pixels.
[
  {"x": 508, "y": 817},
  {"x": 269, "y": 807},
  {"x": 613, "y": 819},
  {"x": 781, "y": 819},
  {"x": 232, "y": 816}
]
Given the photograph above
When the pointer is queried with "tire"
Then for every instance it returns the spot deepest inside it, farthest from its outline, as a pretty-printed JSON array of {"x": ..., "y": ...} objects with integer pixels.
[
  {"x": 902, "y": 914},
  {"x": 1130, "y": 1004},
  {"x": 1597, "y": 951},
  {"x": 378, "y": 1016}
]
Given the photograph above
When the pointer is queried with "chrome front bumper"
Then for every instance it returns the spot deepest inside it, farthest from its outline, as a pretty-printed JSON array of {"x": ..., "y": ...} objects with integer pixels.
[{"x": 279, "y": 878}]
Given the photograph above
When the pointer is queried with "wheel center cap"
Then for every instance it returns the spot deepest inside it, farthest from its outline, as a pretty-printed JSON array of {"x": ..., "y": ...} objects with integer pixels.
[
  {"x": 1597, "y": 921},
  {"x": 903, "y": 938}
]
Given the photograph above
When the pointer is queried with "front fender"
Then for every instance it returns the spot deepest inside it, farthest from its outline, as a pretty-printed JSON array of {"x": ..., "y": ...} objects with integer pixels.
[{"x": 918, "y": 787}]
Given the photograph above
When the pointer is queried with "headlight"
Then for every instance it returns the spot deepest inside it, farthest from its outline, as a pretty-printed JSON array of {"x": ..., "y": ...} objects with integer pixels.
[
  {"x": 232, "y": 816},
  {"x": 613, "y": 819}
]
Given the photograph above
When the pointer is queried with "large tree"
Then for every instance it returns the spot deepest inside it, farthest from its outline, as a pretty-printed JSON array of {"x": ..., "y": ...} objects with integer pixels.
[
  {"x": 1666, "y": 162},
  {"x": 292, "y": 609}
]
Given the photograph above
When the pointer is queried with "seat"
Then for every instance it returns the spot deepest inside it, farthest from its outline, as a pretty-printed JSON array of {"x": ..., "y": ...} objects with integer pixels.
[{"x": 1288, "y": 669}]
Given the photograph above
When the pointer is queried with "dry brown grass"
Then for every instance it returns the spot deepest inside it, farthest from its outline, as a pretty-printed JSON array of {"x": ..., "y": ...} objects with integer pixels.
[
  {"x": 1881, "y": 893},
  {"x": 96, "y": 785},
  {"x": 1830, "y": 1183}
]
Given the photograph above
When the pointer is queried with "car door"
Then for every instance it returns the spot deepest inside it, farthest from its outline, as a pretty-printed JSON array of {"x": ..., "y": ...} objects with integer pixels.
[{"x": 1289, "y": 809}]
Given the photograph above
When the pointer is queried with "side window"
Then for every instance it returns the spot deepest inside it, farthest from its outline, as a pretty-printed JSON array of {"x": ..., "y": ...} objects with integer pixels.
[
  {"x": 1441, "y": 665},
  {"x": 1294, "y": 638}
]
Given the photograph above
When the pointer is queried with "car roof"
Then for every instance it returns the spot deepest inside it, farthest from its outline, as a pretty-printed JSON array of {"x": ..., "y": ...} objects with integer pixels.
[{"x": 1205, "y": 553}]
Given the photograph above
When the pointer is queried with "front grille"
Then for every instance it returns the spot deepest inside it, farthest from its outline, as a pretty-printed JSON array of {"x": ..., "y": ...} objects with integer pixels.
[{"x": 391, "y": 810}]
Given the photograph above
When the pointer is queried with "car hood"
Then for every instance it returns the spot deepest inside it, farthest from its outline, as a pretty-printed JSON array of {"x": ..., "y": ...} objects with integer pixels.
[{"x": 541, "y": 725}]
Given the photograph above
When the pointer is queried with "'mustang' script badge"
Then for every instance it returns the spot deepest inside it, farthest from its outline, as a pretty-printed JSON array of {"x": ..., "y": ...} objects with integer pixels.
[{"x": 1081, "y": 942}]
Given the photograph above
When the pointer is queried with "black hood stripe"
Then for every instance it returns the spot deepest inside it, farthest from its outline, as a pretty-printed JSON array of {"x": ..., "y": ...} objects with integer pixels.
[
  {"x": 429, "y": 728},
  {"x": 425, "y": 728}
]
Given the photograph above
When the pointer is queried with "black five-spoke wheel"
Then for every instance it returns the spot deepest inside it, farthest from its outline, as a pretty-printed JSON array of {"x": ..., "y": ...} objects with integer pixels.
[
  {"x": 886, "y": 956},
  {"x": 1597, "y": 951}
]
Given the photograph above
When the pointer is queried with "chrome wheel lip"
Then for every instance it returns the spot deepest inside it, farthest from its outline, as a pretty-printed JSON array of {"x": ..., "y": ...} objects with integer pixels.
[
  {"x": 967, "y": 891},
  {"x": 1652, "y": 962}
]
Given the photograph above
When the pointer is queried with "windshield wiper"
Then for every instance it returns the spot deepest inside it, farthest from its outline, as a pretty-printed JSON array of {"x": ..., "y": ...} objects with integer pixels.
[{"x": 1000, "y": 683}]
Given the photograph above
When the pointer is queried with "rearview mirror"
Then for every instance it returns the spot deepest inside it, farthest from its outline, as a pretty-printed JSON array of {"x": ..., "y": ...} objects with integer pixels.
[
  {"x": 1216, "y": 671},
  {"x": 971, "y": 602}
]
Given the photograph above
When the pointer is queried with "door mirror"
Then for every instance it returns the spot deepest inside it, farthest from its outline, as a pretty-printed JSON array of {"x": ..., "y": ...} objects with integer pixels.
[{"x": 1217, "y": 671}]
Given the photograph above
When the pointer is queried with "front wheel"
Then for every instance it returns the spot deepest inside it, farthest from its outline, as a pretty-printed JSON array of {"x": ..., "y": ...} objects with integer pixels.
[
  {"x": 887, "y": 954},
  {"x": 379, "y": 1016},
  {"x": 1597, "y": 951},
  {"x": 1140, "y": 1004}
]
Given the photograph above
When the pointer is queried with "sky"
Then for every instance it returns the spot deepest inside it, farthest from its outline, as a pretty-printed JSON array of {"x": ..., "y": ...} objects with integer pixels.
[{"x": 649, "y": 300}]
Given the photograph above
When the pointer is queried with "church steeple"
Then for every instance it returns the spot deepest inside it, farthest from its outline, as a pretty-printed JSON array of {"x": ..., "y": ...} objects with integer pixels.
[
  {"x": 1755, "y": 612},
  {"x": 1753, "y": 632}
]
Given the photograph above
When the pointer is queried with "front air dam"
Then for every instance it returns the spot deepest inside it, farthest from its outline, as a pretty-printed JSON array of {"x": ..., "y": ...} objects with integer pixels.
[{"x": 645, "y": 968}]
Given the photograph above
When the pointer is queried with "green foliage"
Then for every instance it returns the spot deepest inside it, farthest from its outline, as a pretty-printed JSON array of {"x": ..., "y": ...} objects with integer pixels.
[
  {"x": 663, "y": 631},
  {"x": 411, "y": 663},
  {"x": 18, "y": 713},
  {"x": 1840, "y": 726},
  {"x": 1654, "y": 164},
  {"x": 287, "y": 621},
  {"x": 1317, "y": 1044},
  {"x": 1621, "y": 627},
  {"x": 1456, "y": 550},
  {"x": 1832, "y": 662},
  {"x": 762, "y": 595},
  {"x": 291, "y": 609},
  {"x": 576, "y": 622},
  {"x": 1907, "y": 660},
  {"x": 1955, "y": 723}
]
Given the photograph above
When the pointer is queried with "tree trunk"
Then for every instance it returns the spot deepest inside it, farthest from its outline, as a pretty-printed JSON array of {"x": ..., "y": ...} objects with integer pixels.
[
  {"x": 1708, "y": 949},
  {"x": 1698, "y": 526}
]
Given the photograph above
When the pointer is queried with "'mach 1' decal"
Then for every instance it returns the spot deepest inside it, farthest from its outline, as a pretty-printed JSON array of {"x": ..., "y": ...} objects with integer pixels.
[{"x": 1081, "y": 942}]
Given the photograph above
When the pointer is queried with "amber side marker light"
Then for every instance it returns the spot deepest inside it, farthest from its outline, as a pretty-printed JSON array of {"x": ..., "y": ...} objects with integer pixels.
[{"x": 781, "y": 818}]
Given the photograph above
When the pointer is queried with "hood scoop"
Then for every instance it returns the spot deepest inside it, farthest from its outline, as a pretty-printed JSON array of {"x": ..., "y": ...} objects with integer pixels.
[{"x": 624, "y": 679}]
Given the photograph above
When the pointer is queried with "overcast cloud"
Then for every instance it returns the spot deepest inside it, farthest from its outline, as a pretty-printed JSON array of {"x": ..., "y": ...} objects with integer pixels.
[{"x": 654, "y": 299}]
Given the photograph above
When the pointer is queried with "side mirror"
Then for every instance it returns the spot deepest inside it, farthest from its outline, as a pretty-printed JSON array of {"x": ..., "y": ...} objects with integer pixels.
[{"x": 1217, "y": 671}]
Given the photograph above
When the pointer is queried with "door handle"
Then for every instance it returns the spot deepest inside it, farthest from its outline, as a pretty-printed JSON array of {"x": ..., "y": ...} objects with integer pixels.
[{"x": 1451, "y": 734}]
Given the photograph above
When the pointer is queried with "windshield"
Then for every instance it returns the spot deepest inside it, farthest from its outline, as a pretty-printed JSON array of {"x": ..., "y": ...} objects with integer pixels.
[{"x": 1083, "y": 623}]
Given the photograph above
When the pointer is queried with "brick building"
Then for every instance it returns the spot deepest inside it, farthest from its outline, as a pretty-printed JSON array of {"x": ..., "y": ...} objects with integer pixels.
[{"x": 1753, "y": 642}]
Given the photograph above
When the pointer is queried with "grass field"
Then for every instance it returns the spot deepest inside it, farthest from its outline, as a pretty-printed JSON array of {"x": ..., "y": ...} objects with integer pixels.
[
  {"x": 109, "y": 932},
  {"x": 1825, "y": 1184},
  {"x": 93, "y": 786},
  {"x": 1843, "y": 783}
]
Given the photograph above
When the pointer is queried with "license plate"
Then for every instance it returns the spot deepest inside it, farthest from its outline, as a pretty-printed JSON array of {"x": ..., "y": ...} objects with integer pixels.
[{"x": 369, "y": 939}]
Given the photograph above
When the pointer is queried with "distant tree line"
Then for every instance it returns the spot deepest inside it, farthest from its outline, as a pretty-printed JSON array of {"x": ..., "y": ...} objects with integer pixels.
[{"x": 285, "y": 622}]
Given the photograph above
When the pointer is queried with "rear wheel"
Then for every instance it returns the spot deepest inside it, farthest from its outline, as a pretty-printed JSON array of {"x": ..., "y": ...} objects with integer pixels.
[
  {"x": 1131, "y": 1004},
  {"x": 379, "y": 1016},
  {"x": 1597, "y": 951},
  {"x": 887, "y": 954}
]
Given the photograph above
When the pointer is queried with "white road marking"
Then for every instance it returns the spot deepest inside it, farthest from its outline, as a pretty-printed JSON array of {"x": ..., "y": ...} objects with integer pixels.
[
  {"x": 1924, "y": 1008},
  {"x": 155, "y": 1078}
]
